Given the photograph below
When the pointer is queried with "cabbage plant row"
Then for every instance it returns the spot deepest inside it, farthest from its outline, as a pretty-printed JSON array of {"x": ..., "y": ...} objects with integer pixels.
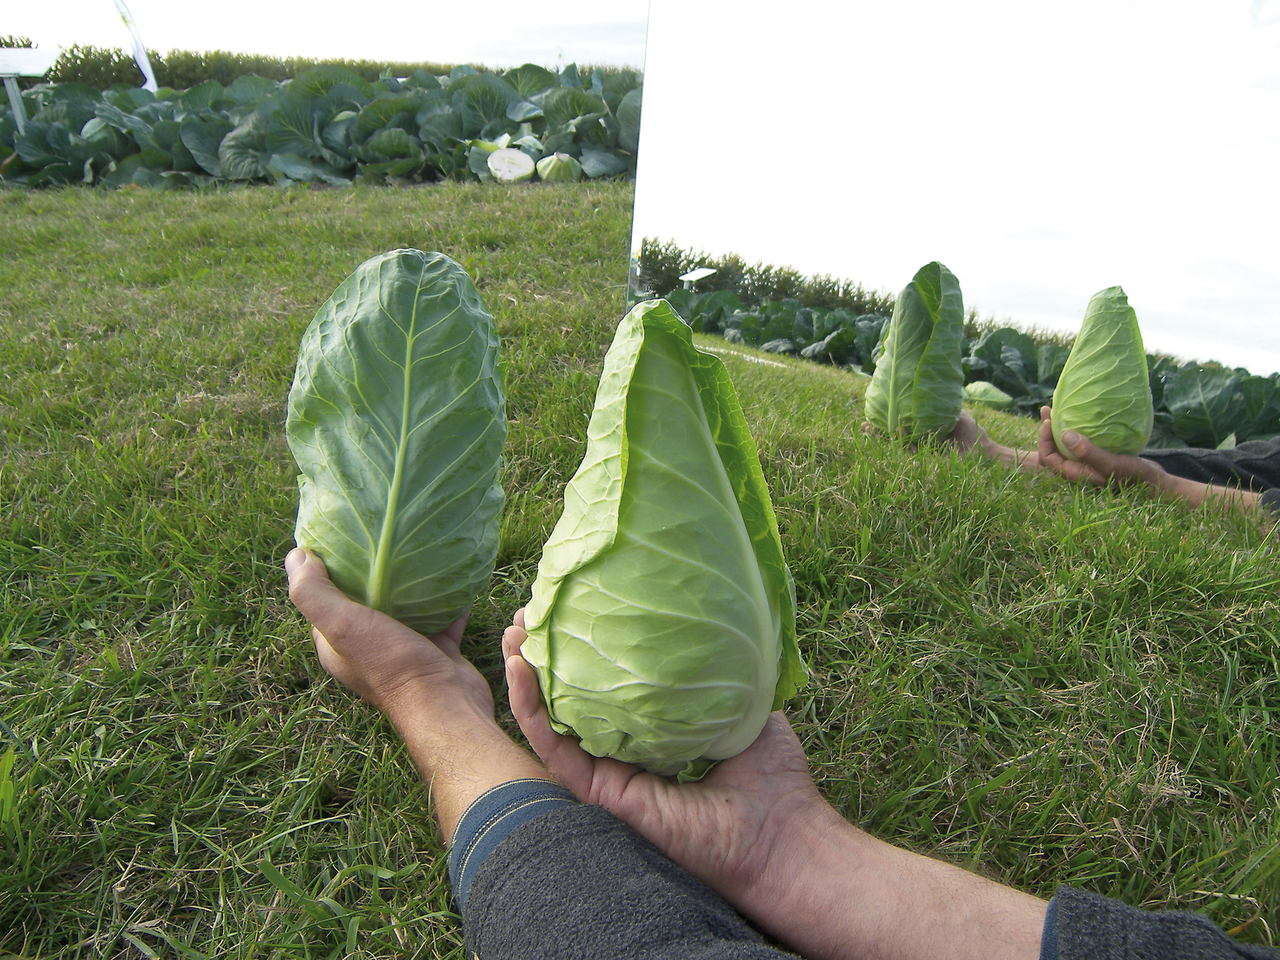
[
  {"x": 1195, "y": 404},
  {"x": 327, "y": 125}
]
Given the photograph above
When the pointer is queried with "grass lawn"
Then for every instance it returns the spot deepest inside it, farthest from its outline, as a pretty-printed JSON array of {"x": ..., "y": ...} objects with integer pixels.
[{"x": 1046, "y": 684}]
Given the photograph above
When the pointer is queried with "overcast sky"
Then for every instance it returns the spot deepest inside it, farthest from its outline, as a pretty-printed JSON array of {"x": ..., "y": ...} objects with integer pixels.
[
  {"x": 492, "y": 32},
  {"x": 1042, "y": 151}
]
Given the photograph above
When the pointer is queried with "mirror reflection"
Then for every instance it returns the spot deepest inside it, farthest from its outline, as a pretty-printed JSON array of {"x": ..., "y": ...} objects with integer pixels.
[{"x": 1043, "y": 154}]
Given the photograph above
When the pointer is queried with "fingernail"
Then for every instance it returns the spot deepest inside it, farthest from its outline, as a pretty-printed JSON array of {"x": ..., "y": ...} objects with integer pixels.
[
  {"x": 296, "y": 558},
  {"x": 1071, "y": 438}
]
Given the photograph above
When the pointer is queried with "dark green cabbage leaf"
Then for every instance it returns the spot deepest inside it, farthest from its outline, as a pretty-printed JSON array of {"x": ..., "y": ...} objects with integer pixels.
[{"x": 397, "y": 420}]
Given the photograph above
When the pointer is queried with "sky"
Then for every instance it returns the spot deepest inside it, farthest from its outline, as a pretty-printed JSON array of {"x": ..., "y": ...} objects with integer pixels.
[
  {"x": 1043, "y": 152},
  {"x": 495, "y": 33}
]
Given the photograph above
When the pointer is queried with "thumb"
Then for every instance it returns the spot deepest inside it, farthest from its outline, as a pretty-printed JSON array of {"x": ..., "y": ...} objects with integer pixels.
[
  {"x": 310, "y": 588},
  {"x": 566, "y": 760}
]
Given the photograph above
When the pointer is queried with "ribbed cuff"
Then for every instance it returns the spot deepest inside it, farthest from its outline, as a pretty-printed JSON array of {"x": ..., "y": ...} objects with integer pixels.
[
  {"x": 1049, "y": 937},
  {"x": 491, "y": 818}
]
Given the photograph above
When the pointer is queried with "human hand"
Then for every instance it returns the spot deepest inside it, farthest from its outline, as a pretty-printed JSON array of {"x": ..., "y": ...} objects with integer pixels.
[
  {"x": 1093, "y": 464},
  {"x": 731, "y": 829},
  {"x": 377, "y": 657},
  {"x": 439, "y": 703}
]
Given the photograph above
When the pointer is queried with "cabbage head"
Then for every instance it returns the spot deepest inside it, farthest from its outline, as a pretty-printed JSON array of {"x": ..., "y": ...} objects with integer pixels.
[
  {"x": 559, "y": 168},
  {"x": 1104, "y": 392},
  {"x": 396, "y": 420},
  {"x": 918, "y": 384},
  {"x": 662, "y": 623}
]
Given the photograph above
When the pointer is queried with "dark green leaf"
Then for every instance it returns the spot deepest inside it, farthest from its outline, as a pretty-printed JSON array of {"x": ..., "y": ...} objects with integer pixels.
[
  {"x": 478, "y": 162},
  {"x": 337, "y": 134},
  {"x": 529, "y": 80},
  {"x": 1205, "y": 404},
  {"x": 203, "y": 97},
  {"x": 250, "y": 89},
  {"x": 522, "y": 110},
  {"x": 1261, "y": 414},
  {"x": 242, "y": 154},
  {"x": 421, "y": 80},
  {"x": 838, "y": 347},
  {"x": 56, "y": 174},
  {"x": 136, "y": 127},
  {"x": 484, "y": 100},
  {"x": 441, "y": 130},
  {"x": 381, "y": 112},
  {"x": 293, "y": 167},
  {"x": 203, "y": 139},
  {"x": 603, "y": 163},
  {"x": 629, "y": 122},
  {"x": 395, "y": 143},
  {"x": 567, "y": 104},
  {"x": 292, "y": 127},
  {"x": 319, "y": 80},
  {"x": 617, "y": 86}
]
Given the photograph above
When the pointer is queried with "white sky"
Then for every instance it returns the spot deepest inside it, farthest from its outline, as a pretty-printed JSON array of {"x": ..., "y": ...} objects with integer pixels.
[
  {"x": 1043, "y": 152},
  {"x": 492, "y": 32}
]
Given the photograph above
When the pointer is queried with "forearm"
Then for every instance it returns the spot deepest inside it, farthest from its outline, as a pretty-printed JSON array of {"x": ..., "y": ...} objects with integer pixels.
[
  {"x": 837, "y": 892},
  {"x": 459, "y": 752},
  {"x": 1010, "y": 456},
  {"x": 1196, "y": 494}
]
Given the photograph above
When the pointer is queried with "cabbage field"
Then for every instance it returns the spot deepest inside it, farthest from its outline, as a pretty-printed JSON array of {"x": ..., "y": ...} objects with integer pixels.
[
  {"x": 327, "y": 125},
  {"x": 1041, "y": 682}
]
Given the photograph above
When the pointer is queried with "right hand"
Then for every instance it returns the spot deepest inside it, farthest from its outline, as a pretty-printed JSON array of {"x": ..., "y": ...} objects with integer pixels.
[{"x": 730, "y": 829}]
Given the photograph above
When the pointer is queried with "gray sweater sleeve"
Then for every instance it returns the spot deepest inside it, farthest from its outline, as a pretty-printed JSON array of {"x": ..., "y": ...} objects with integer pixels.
[
  {"x": 1091, "y": 927},
  {"x": 577, "y": 884}
]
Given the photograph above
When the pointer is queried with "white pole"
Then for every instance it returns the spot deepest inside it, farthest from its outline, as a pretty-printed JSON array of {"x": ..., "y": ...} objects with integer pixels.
[{"x": 139, "y": 51}]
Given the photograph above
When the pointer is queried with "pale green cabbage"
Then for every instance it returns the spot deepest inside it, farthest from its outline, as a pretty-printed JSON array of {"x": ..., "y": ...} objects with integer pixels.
[
  {"x": 1104, "y": 392},
  {"x": 662, "y": 623},
  {"x": 988, "y": 394},
  {"x": 917, "y": 388},
  {"x": 559, "y": 168},
  {"x": 396, "y": 420}
]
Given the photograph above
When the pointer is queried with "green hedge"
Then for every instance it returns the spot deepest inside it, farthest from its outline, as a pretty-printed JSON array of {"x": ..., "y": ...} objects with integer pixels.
[
  {"x": 661, "y": 266},
  {"x": 182, "y": 69}
]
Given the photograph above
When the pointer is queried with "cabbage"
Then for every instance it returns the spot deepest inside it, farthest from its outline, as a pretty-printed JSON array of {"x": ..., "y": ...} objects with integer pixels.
[
  {"x": 509, "y": 165},
  {"x": 917, "y": 388},
  {"x": 1104, "y": 392},
  {"x": 662, "y": 622},
  {"x": 396, "y": 420},
  {"x": 988, "y": 394},
  {"x": 558, "y": 168}
]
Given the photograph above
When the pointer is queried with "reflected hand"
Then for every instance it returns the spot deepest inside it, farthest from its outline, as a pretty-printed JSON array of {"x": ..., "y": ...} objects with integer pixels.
[{"x": 1093, "y": 464}]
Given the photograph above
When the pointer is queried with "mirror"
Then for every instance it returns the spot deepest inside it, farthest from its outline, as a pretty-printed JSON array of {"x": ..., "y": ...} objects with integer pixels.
[{"x": 1041, "y": 154}]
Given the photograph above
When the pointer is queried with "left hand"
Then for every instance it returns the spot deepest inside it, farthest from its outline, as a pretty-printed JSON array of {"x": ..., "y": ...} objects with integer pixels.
[{"x": 378, "y": 657}]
